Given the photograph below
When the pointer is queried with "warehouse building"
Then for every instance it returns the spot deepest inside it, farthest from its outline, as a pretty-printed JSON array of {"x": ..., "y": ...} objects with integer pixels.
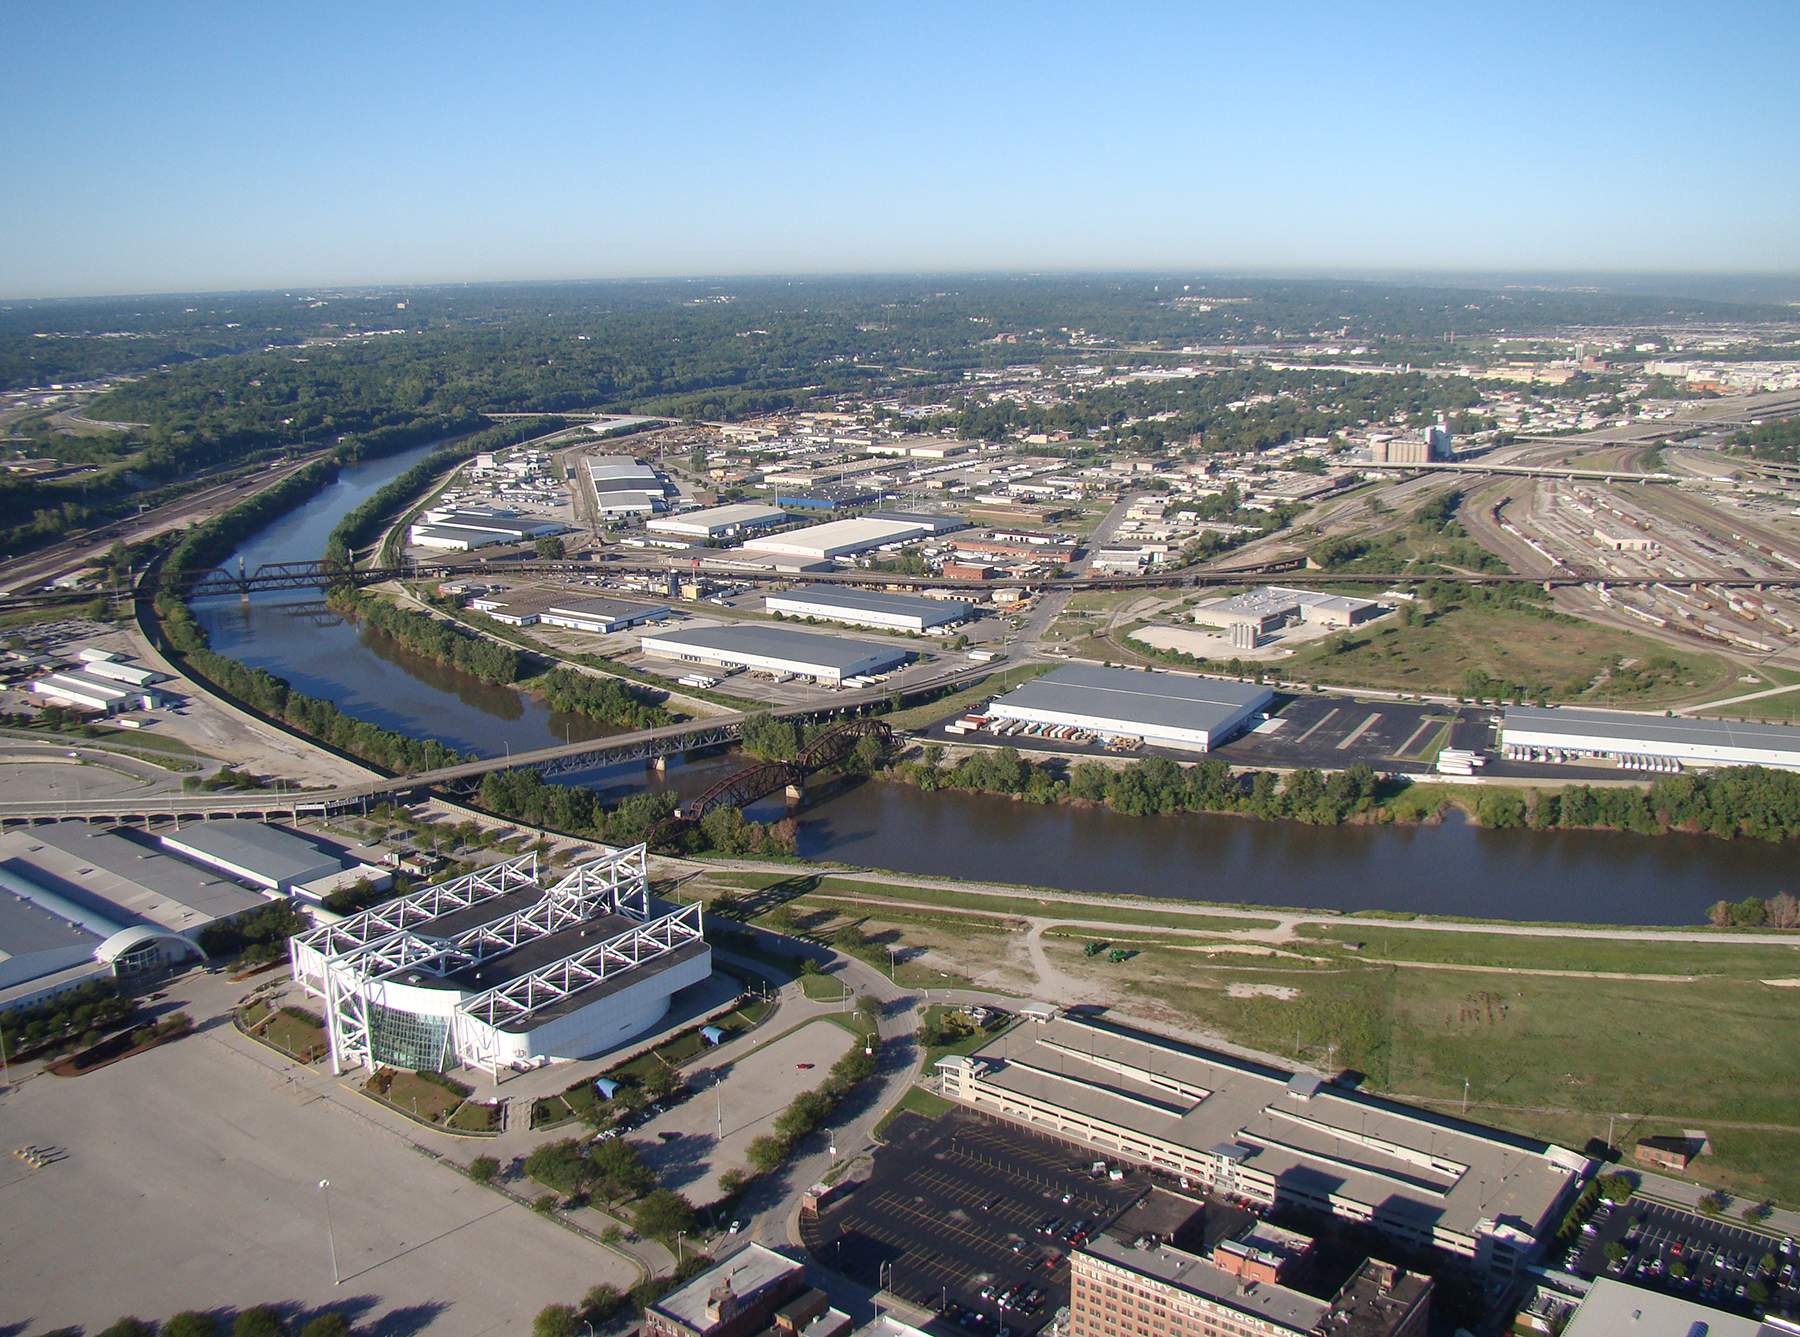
[
  {"x": 826, "y": 659},
  {"x": 266, "y": 856},
  {"x": 1271, "y": 608},
  {"x": 601, "y": 615},
  {"x": 1644, "y": 742},
  {"x": 624, "y": 486},
  {"x": 78, "y": 903},
  {"x": 838, "y": 538},
  {"x": 931, "y": 522},
  {"x": 461, "y": 529},
  {"x": 83, "y": 689},
  {"x": 1163, "y": 709},
  {"x": 719, "y": 522},
  {"x": 1275, "y": 1138},
  {"x": 831, "y": 497},
  {"x": 496, "y": 971},
  {"x": 868, "y": 608}
]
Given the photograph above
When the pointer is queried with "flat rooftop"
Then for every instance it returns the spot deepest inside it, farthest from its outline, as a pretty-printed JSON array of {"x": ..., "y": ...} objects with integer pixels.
[
  {"x": 752, "y": 1270},
  {"x": 1613, "y": 1308},
  {"x": 120, "y": 879},
  {"x": 719, "y": 517},
  {"x": 604, "y": 609},
  {"x": 278, "y": 855},
  {"x": 1165, "y": 700},
  {"x": 1412, "y": 1165},
  {"x": 876, "y": 601},
  {"x": 1667, "y": 729},
  {"x": 799, "y": 647}
]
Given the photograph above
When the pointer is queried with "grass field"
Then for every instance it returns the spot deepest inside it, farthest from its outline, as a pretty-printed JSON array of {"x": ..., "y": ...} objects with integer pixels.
[
  {"x": 1507, "y": 645},
  {"x": 982, "y": 903},
  {"x": 1785, "y": 708},
  {"x": 1549, "y": 1055},
  {"x": 917, "y": 1100}
]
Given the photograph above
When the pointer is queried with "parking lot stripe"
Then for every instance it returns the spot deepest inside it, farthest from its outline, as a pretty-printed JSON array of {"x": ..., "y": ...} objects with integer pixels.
[
  {"x": 1309, "y": 733},
  {"x": 1359, "y": 731},
  {"x": 1406, "y": 747}
]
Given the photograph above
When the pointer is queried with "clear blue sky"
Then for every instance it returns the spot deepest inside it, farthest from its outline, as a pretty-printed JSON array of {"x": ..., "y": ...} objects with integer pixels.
[{"x": 158, "y": 147}]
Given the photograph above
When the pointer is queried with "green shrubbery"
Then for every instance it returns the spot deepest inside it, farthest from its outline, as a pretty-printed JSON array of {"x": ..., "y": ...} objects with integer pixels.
[
  {"x": 609, "y": 699},
  {"x": 256, "y": 937},
  {"x": 426, "y": 635}
]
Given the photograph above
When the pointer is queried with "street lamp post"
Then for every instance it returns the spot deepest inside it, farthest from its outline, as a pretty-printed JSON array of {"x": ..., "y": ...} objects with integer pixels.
[
  {"x": 330, "y": 1237},
  {"x": 679, "y": 1235}
]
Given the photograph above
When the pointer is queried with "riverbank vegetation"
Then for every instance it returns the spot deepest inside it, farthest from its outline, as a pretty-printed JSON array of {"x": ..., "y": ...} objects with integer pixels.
[
  {"x": 1749, "y": 801},
  {"x": 426, "y": 635},
  {"x": 275, "y": 698},
  {"x": 609, "y": 699},
  {"x": 524, "y": 796},
  {"x": 361, "y": 524}
]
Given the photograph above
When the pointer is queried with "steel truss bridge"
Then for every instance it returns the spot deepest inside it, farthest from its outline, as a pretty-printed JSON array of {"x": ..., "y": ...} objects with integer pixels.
[
  {"x": 360, "y": 966},
  {"x": 741, "y": 789}
]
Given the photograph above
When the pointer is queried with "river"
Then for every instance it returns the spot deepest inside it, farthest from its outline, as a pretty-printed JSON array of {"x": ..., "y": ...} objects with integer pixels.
[{"x": 1452, "y": 869}]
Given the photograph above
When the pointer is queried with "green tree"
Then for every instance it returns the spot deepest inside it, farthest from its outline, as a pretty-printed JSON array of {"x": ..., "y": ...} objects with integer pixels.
[
  {"x": 618, "y": 1170},
  {"x": 662, "y": 1214},
  {"x": 329, "y": 1324},
  {"x": 259, "y": 1321},
  {"x": 483, "y": 1169},
  {"x": 550, "y": 548},
  {"x": 601, "y": 1303},
  {"x": 556, "y": 1321},
  {"x": 764, "y": 736},
  {"x": 191, "y": 1323},
  {"x": 129, "y": 1327}
]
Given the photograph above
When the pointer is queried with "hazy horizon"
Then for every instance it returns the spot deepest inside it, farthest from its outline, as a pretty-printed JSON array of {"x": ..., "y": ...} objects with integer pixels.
[{"x": 207, "y": 148}]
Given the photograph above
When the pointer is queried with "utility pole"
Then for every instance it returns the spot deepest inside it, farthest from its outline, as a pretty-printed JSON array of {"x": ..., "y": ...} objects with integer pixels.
[{"x": 1465, "y": 1097}]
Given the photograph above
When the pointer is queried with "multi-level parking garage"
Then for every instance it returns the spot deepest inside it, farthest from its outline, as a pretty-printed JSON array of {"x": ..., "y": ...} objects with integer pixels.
[{"x": 495, "y": 970}]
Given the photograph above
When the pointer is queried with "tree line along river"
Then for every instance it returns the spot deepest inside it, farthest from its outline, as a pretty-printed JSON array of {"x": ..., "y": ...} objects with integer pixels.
[{"x": 1449, "y": 869}]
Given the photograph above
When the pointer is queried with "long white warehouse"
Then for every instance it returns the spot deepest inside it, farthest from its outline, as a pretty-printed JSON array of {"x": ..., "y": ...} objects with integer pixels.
[
  {"x": 829, "y": 659},
  {"x": 838, "y": 538},
  {"x": 718, "y": 522},
  {"x": 495, "y": 971},
  {"x": 1163, "y": 709},
  {"x": 1558, "y": 733},
  {"x": 868, "y": 608}
]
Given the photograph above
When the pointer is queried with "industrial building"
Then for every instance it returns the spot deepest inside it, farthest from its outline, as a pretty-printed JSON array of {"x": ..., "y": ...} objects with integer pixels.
[
  {"x": 868, "y": 608},
  {"x": 494, "y": 970},
  {"x": 601, "y": 615},
  {"x": 464, "y": 528},
  {"x": 931, "y": 522},
  {"x": 624, "y": 486},
  {"x": 827, "y": 659},
  {"x": 78, "y": 903},
  {"x": 831, "y": 497},
  {"x": 1617, "y": 1309},
  {"x": 1272, "y": 607},
  {"x": 1261, "y": 1135},
  {"x": 1164, "y": 709},
  {"x": 84, "y": 689},
  {"x": 838, "y": 538},
  {"x": 266, "y": 856},
  {"x": 719, "y": 522},
  {"x": 1115, "y": 1285},
  {"x": 1644, "y": 742}
]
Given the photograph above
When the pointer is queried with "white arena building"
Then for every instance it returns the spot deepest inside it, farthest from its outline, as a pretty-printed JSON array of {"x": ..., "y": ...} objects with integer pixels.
[
  {"x": 838, "y": 538},
  {"x": 494, "y": 970}
]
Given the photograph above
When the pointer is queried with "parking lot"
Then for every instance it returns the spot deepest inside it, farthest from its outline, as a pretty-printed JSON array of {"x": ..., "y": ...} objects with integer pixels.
[
  {"x": 1332, "y": 732},
  {"x": 1715, "y": 1262},
  {"x": 970, "y": 1218}
]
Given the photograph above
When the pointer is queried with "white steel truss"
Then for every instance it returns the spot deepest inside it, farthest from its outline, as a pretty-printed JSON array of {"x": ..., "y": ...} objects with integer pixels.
[
  {"x": 479, "y": 1020},
  {"x": 348, "y": 963}
]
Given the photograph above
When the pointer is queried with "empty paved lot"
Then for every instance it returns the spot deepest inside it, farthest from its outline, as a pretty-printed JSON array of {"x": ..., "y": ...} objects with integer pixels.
[
  {"x": 757, "y": 1087},
  {"x": 191, "y": 1181}
]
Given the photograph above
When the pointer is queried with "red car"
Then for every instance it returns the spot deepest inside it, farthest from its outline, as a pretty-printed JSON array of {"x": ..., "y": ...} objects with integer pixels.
[{"x": 802, "y": 1067}]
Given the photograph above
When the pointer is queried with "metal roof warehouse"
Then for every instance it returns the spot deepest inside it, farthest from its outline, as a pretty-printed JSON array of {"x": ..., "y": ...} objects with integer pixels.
[
  {"x": 869, "y": 608},
  {"x": 775, "y": 650},
  {"x": 1560, "y": 733},
  {"x": 1168, "y": 709}
]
